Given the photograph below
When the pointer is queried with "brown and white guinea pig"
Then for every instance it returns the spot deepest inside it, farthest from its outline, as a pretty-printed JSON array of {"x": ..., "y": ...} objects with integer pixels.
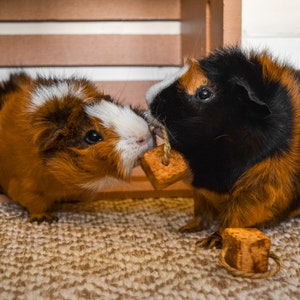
[
  {"x": 62, "y": 139},
  {"x": 235, "y": 117}
]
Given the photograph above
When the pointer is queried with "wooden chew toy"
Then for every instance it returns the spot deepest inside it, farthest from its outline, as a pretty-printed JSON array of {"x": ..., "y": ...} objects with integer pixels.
[
  {"x": 163, "y": 165},
  {"x": 246, "y": 251}
]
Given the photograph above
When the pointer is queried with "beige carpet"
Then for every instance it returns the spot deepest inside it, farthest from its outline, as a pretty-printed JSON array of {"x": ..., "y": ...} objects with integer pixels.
[{"x": 129, "y": 249}]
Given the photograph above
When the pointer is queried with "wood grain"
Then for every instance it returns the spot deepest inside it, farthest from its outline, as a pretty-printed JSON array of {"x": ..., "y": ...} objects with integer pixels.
[
  {"x": 194, "y": 27},
  {"x": 45, "y": 10},
  {"x": 225, "y": 22},
  {"x": 89, "y": 50}
]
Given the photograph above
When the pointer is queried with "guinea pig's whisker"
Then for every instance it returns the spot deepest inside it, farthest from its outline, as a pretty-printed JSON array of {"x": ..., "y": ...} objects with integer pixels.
[
  {"x": 151, "y": 120},
  {"x": 169, "y": 133},
  {"x": 221, "y": 136},
  {"x": 158, "y": 125}
]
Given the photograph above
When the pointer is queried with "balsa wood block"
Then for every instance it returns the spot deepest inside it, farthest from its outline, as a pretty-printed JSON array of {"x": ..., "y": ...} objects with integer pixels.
[
  {"x": 159, "y": 174},
  {"x": 246, "y": 249}
]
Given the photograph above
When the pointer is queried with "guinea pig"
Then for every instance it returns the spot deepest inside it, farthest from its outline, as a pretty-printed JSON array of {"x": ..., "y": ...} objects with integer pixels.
[
  {"x": 61, "y": 139},
  {"x": 235, "y": 117}
]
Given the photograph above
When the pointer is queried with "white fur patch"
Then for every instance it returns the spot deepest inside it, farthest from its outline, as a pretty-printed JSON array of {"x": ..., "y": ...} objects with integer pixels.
[
  {"x": 135, "y": 137},
  {"x": 44, "y": 93},
  {"x": 154, "y": 90},
  {"x": 98, "y": 185}
]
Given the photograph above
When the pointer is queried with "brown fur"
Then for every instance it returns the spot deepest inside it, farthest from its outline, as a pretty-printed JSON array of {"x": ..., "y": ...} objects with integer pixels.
[
  {"x": 43, "y": 156},
  {"x": 194, "y": 78}
]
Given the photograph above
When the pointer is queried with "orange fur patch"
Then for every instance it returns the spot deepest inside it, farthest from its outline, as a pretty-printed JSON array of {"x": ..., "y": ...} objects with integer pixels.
[{"x": 193, "y": 78}]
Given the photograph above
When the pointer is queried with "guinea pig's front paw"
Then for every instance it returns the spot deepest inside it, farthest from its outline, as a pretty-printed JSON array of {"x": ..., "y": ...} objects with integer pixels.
[
  {"x": 43, "y": 217},
  {"x": 212, "y": 241},
  {"x": 193, "y": 226}
]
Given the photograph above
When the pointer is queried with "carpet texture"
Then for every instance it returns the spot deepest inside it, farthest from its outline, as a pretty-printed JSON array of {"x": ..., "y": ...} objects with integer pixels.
[{"x": 129, "y": 249}]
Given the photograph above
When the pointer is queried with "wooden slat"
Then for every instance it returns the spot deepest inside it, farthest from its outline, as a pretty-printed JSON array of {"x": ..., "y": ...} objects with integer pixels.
[
  {"x": 127, "y": 92},
  {"x": 140, "y": 187},
  {"x": 232, "y": 22},
  {"x": 194, "y": 28},
  {"x": 225, "y": 22},
  {"x": 209, "y": 24},
  {"x": 48, "y": 10},
  {"x": 138, "y": 190},
  {"x": 78, "y": 50}
]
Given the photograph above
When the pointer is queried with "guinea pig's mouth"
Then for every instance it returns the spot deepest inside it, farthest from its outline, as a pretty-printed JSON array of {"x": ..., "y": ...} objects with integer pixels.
[
  {"x": 155, "y": 125},
  {"x": 137, "y": 162}
]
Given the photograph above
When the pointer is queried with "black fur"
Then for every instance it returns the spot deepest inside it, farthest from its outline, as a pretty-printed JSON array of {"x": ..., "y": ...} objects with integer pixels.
[{"x": 247, "y": 119}]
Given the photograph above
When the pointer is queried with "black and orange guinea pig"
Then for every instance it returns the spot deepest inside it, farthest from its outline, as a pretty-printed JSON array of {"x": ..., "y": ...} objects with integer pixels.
[
  {"x": 61, "y": 139},
  {"x": 235, "y": 117}
]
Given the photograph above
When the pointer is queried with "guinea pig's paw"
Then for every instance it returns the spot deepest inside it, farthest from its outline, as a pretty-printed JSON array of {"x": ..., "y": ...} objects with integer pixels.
[
  {"x": 193, "y": 226},
  {"x": 212, "y": 241},
  {"x": 42, "y": 217}
]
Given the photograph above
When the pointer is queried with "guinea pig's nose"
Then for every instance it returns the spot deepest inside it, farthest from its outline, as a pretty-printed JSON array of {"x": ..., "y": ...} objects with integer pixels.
[
  {"x": 144, "y": 139},
  {"x": 141, "y": 141}
]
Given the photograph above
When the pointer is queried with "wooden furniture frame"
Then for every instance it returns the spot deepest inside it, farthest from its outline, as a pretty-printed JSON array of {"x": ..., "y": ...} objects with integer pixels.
[{"x": 205, "y": 25}]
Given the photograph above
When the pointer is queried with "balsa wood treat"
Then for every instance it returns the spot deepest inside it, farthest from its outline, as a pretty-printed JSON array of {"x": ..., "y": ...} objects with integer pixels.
[
  {"x": 163, "y": 173},
  {"x": 162, "y": 165},
  {"x": 246, "y": 249},
  {"x": 235, "y": 117},
  {"x": 61, "y": 139},
  {"x": 246, "y": 253}
]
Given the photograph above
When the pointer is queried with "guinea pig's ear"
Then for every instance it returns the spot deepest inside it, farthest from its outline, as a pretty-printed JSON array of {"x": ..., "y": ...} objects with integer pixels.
[
  {"x": 48, "y": 138},
  {"x": 21, "y": 79},
  {"x": 50, "y": 127},
  {"x": 17, "y": 81},
  {"x": 261, "y": 107}
]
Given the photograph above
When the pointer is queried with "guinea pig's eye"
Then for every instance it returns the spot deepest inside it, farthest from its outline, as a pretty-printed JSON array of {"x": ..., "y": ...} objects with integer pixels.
[
  {"x": 92, "y": 137},
  {"x": 203, "y": 93}
]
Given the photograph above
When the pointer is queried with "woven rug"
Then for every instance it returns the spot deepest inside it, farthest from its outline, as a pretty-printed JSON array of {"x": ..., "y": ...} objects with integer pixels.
[{"x": 129, "y": 249}]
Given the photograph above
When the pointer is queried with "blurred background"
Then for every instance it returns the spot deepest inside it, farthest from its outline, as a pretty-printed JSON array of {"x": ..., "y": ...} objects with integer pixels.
[{"x": 274, "y": 24}]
